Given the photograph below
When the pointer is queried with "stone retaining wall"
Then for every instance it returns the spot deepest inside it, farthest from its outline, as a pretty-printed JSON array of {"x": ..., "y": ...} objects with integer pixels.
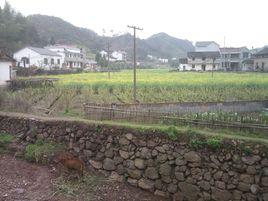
[{"x": 155, "y": 163}]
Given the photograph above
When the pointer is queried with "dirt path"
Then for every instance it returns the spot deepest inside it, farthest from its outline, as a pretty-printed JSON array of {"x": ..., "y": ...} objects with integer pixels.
[{"x": 23, "y": 181}]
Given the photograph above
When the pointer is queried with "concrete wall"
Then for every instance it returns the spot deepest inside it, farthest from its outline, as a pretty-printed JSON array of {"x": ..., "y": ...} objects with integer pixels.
[{"x": 151, "y": 161}]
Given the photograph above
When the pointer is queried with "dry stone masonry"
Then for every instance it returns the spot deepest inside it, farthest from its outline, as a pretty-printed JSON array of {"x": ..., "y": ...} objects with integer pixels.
[{"x": 153, "y": 162}]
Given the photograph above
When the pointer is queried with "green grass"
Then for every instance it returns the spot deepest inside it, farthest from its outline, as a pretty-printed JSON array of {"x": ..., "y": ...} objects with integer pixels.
[
  {"x": 5, "y": 140},
  {"x": 41, "y": 151}
]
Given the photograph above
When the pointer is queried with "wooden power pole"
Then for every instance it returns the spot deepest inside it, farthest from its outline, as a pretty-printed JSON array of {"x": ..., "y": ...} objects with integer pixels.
[
  {"x": 108, "y": 61},
  {"x": 134, "y": 63}
]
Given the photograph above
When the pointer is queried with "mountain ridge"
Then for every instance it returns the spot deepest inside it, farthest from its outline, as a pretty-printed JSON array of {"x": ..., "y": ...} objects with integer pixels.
[{"x": 159, "y": 45}]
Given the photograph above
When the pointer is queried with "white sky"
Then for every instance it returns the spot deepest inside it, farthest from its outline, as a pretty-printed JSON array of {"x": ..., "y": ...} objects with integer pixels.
[{"x": 242, "y": 22}]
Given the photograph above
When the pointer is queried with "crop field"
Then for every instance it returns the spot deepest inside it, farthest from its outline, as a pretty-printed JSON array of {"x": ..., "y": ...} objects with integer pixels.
[
  {"x": 164, "y": 86},
  {"x": 154, "y": 86}
]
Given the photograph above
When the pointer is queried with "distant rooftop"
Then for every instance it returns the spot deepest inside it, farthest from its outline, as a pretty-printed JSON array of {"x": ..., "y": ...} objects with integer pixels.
[
  {"x": 263, "y": 51},
  {"x": 66, "y": 47},
  {"x": 232, "y": 49},
  {"x": 43, "y": 51},
  {"x": 204, "y": 54},
  {"x": 5, "y": 57},
  {"x": 204, "y": 43}
]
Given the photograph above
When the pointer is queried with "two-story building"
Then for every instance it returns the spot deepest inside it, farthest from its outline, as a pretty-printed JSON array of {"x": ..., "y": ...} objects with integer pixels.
[
  {"x": 204, "y": 61},
  {"x": 38, "y": 57},
  {"x": 206, "y": 57},
  {"x": 73, "y": 57},
  {"x": 261, "y": 60},
  {"x": 234, "y": 59}
]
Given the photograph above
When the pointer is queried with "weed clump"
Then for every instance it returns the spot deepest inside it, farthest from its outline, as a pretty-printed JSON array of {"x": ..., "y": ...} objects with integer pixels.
[
  {"x": 214, "y": 143},
  {"x": 172, "y": 132}
]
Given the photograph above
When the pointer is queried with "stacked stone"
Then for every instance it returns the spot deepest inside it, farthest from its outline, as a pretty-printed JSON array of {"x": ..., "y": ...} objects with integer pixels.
[{"x": 155, "y": 163}]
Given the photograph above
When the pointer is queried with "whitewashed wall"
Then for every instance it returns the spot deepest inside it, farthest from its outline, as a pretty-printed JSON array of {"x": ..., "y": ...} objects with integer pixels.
[
  {"x": 37, "y": 59},
  {"x": 4, "y": 72}
]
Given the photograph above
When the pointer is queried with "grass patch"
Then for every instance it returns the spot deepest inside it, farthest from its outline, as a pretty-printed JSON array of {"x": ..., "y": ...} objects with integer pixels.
[
  {"x": 41, "y": 151},
  {"x": 5, "y": 140},
  {"x": 78, "y": 188}
]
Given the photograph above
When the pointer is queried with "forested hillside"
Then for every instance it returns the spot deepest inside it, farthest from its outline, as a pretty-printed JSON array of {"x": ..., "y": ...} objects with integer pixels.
[{"x": 17, "y": 31}]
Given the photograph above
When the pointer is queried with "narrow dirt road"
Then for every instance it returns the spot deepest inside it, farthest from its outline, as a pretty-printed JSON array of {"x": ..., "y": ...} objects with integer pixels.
[{"x": 23, "y": 181}]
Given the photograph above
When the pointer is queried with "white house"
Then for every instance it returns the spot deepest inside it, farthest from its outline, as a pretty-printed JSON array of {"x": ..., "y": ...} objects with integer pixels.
[
  {"x": 38, "y": 57},
  {"x": 119, "y": 55},
  {"x": 115, "y": 55},
  {"x": 73, "y": 57},
  {"x": 5, "y": 68},
  {"x": 207, "y": 46}
]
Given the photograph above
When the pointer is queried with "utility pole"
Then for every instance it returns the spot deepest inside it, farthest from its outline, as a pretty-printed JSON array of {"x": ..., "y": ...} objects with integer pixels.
[
  {"x": 134, "y": 62},
  {"x": 108, "y": 60}
]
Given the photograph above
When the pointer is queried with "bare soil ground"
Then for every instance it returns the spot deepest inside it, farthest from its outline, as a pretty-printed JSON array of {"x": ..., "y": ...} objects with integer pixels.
[{"x": 24, "y": 181}]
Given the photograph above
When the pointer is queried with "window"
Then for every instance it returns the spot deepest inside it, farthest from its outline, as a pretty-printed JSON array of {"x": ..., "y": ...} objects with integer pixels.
[
  {"x": 203, "y": 58},
  {"x": 193, "y": 65},
  {"x": 245, "y": 55},
  {"x": 262, "y": 65},
  {"x": 52, "y": 61},
  {"x": 214, "y": 66},
  {"x": 58, "y": 61},
  {"x": 234, "y": 56},
  {"x": 45, "y": 61},
  {"x": 193, "y": 58}
]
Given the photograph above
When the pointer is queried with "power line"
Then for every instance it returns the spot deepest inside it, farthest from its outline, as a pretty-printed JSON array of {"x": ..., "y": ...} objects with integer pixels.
[{"x": 134, "y": 62}]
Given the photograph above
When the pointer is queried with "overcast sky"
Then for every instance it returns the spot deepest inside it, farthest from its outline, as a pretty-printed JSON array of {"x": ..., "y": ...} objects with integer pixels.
[{"x": 242, "y": 22}]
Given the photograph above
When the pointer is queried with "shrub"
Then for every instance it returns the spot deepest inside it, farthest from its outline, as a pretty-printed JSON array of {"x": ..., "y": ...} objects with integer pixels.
[
  {"x": 247, "y": 150},
  {"x": 214, "y": 143},
  {"x": 197, "y": 144}
]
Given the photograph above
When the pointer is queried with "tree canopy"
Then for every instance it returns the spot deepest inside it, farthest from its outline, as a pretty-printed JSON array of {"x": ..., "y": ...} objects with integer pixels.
[{"x": 15, "y": 30}]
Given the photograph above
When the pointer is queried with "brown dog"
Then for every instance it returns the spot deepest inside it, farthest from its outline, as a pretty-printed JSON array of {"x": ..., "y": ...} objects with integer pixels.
[{"x": 72, "y": 163}]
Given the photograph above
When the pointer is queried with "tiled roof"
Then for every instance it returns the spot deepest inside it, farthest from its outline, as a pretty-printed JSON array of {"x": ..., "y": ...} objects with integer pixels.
[
  {"x": 44, "y": 51},
  {"x": 203, "y": 43},
  {"x": 204, "y": 54},
  {"x": 263, "y": 51},
  {"x": 231, "y": 49}
]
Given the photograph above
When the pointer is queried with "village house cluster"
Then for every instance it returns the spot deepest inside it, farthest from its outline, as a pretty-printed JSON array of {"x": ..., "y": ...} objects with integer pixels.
[
  {"x": 52, "y": 57},
  {"x": 209, "y": 56}
]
